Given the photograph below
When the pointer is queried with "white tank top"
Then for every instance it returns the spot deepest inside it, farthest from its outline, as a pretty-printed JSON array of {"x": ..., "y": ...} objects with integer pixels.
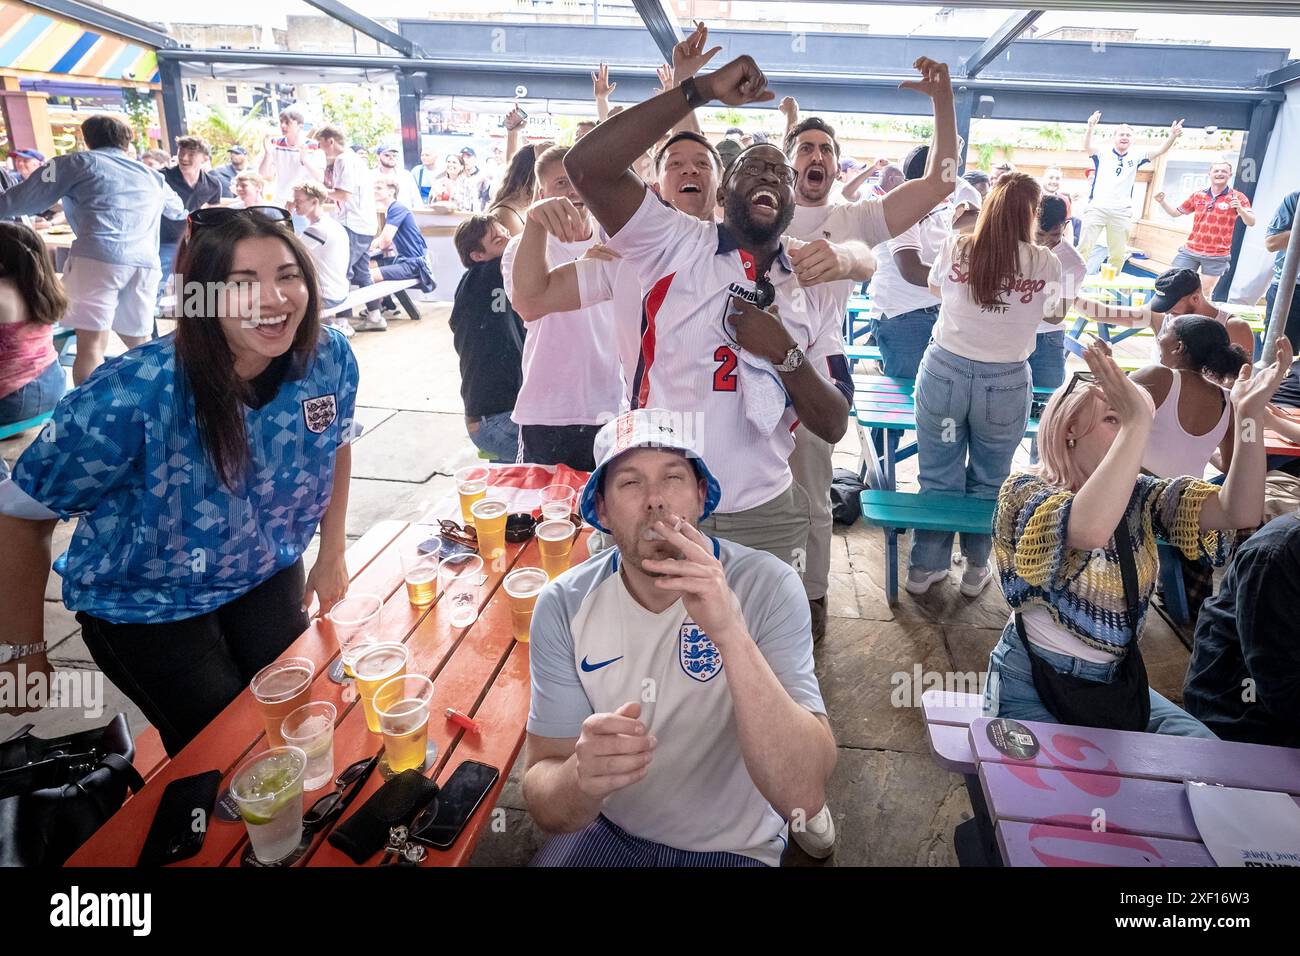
[{"x": 1170, "y": 450}]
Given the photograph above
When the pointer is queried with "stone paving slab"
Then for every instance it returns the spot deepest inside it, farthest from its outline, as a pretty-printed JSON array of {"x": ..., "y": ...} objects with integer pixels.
[{"x": 407, "y": 446}]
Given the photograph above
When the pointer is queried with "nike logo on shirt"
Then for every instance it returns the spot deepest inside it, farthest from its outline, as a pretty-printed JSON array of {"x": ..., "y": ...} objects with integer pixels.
[{"x": 595, "y": 667}]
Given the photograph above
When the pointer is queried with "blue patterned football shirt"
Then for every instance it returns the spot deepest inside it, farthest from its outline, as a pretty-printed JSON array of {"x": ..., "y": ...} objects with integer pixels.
[{"x": 160, "y": 538}]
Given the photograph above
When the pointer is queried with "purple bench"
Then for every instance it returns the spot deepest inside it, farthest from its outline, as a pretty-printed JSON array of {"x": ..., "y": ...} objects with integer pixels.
[{"x": 1058, "y": 795}]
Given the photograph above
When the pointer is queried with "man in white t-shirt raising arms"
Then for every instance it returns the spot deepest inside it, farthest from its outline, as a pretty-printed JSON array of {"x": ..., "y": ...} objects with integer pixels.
[
  {"x": 743, "y": 376},
  {"x": 290, "y": 158},
  {"x": 814, "y": 152},
  {"x": 1110, "y": 197},
  {"x": 347, "y": 180},
  {"x": 675, "y": 716},
  {"x": 572, "y": 382}
]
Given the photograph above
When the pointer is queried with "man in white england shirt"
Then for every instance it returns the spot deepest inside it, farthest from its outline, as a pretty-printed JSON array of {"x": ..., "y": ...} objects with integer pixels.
[
  {"x": 289, "y": 158},
  {"x": 1110, "y": 195}
]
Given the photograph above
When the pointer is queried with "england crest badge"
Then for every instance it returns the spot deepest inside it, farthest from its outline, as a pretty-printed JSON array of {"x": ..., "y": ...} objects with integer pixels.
[
  {"x": 700, "y": 660},
  {"x": 319, "y": 413}
]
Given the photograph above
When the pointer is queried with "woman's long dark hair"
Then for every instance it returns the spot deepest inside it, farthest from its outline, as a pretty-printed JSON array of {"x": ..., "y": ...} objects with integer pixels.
[
  {"x": 521, "y": 180},
  {"x": 24, "y": 260},
  {"x": 203, "y": 355},
  {"x": 1209, "y": 351},
  {"x": 993, "y": 248}
]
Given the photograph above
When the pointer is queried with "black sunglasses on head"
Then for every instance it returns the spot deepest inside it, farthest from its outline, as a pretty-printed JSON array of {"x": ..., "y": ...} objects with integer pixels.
[
  {"x": 1088, "y": 378},
  {"x": 217, "y": 215}
]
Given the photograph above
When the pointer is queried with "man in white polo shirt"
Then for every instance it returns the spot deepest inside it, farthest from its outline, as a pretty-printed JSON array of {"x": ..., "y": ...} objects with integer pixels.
[
  {"x": 347, "y": 180},
  {"x": 742, "y": 376},
  {"x": 811, "y": 147},
  {"x": 1110, "y": 197},
  {"x": 572, "y": 381},
  {"x": 675, "y": 716}
]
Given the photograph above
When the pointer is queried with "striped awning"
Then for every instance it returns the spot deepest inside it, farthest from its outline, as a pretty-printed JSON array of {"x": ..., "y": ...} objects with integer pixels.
[{"x": 32, "y": 41}]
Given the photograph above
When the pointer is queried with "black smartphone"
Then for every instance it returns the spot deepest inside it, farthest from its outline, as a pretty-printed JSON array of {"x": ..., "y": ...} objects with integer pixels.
[
  {"x": 182, "y": 819},
  {"x": 457, "y": 801}
]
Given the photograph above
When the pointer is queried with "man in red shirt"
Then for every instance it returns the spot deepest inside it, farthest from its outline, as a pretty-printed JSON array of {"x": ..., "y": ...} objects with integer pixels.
[{"x": 1214, "y": 216}]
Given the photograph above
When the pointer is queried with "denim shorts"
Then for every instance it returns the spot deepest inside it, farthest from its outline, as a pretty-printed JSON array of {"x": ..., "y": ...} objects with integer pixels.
[{"x": 37, "y": 397}]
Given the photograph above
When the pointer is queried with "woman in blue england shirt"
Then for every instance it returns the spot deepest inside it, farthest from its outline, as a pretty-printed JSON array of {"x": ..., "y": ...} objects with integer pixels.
[{"x": 199, "y": 466}]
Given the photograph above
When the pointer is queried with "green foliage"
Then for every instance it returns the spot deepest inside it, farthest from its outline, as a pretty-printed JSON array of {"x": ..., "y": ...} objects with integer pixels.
[
  {"x": 1052, "y": 136},
  {"x": 362, "y": 121},
  {"x": 221, "y": 131},
  {"x": 141, "y": 115}
]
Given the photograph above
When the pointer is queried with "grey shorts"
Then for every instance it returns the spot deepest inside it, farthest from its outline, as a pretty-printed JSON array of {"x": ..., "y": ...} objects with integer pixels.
[{"x": 1207, "y": 265}]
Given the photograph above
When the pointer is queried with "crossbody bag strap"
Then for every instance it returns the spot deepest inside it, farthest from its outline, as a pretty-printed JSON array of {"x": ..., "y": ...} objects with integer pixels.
[{"x": 1128, "y": 573}]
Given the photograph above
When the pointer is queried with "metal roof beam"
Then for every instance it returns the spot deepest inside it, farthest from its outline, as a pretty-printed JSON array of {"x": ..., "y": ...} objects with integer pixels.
[
  {"x": 661, "y": 24},
  {"x": 363, "y": 24},
  {"x": 1003, "y": 37}
]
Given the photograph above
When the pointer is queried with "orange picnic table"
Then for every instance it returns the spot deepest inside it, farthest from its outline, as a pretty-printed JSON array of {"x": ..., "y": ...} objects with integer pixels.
[
  {"x": 1275, "y": 444},
  {"x": 479, "y": 670}
]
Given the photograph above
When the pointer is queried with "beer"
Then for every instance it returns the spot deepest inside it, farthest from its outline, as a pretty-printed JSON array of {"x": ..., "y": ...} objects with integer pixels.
[
  {"x": 420, "y": 571},
  {"x": 377, "y": 665},
  {"x": 555, "y": 539},
  {"x": 280, "y": 688},
  {"x": 490, "y": 524},
  {"x": 522, "y": 587},
  {"x": 402, "y": 705},
  {"x": 471, "y": 484}
]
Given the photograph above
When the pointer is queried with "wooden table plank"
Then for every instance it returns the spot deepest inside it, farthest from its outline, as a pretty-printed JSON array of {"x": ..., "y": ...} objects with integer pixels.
[
  {"x": 1149, "y": 756},
  {"x": 235, "y": 731},
  {"x": 462, "y": 664},
  {"x": 1044, "y": 844}
]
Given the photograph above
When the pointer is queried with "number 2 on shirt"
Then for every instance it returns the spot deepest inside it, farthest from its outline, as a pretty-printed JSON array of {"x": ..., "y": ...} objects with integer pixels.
[{"x": 724, "y": 376}]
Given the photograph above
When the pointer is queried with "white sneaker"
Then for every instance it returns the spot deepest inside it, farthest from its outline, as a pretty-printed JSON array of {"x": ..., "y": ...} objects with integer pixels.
[
  {"x": 817, "y": 837},
  {"x": 343, "y": 326},
  {"x": 975, "y": 580},
  {"x": 919, "y": 580},
  {"x": 370, "y": 322}
]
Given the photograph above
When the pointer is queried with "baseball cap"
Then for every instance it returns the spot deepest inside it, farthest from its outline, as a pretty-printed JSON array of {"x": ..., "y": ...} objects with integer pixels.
[
  {"x": 385, "y": 148},
  {"x": 237, "y": 151},
  {"x": 643, "y": 428},
  {"x": 29, "y": 154},
  {"x": 1173, "y": 286},
  {"x": 468, "y": 151}
]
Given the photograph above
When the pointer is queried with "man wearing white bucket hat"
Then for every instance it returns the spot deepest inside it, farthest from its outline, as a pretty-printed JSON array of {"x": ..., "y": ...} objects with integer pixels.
[{"x": 676, "y": 719}]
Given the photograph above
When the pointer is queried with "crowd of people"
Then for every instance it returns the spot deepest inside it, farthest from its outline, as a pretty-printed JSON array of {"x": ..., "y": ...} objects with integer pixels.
[{"x": 666, "y": 314}]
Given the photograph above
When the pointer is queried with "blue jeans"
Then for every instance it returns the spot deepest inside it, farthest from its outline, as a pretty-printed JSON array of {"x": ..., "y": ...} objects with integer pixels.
[
  {"x": 902, "y": 339},
  {"x": 37, "y": 397},
  {"x": 965, "y": 408},
  {"x": 1047, "y": 363},
  {"x": 1010, "y": 691},
  {"x": 167, "y": 259},
  {"x": 495, "y": 434}
]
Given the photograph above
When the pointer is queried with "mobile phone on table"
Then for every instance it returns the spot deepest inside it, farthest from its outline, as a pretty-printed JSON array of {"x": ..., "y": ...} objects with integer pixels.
[
  {"x": 182, "y": 819},
  {"x": 457, "y": 801}
]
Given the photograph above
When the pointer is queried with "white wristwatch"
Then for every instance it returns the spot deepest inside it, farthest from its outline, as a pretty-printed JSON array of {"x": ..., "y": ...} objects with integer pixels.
[
  {"x": 793, "y": 359},
  {"x": 13, "y": 652}
]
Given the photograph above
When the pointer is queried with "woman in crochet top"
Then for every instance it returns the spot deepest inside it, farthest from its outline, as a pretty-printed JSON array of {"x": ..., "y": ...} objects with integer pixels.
[{"x": 1054, "y": 527}]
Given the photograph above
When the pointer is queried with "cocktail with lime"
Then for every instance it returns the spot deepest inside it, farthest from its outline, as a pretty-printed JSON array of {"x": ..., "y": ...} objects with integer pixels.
[{"x": 267, "y": 788}]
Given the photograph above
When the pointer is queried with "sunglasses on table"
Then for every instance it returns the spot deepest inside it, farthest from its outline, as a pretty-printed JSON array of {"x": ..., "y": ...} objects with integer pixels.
[
  {"x": 219, "y": 215},
  {"x": 347, "y": 785}
]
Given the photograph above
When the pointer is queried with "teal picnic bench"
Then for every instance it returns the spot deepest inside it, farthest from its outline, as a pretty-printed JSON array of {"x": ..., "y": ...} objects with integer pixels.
[{"x": 897, "y": 511}]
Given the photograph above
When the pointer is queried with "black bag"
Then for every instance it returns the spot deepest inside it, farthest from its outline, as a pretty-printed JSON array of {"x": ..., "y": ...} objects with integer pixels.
[
  {"x": 55, "y": 793},
  {"x": 1124, "y": 703},
  {"x": 846, "y": 496}
]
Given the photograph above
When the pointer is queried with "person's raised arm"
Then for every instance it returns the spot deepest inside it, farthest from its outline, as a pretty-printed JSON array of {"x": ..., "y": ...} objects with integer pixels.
[
  {"x": 1243, "y": 210},
  {"x": 909, "y": 202},
  {"x": 41, "y": 190},
  {"x": 265, "y": 164},
  {"x": 1175, "y": 131},
  {"x": 601, "y": 87},
  {"x": 789, "y": 108},
  {"x": 689, "y": 57},
  {"x": 850, "y": 191},
  {"x": 515, "y": 121},
  {"x": 1240, "y": 502},
  {"x": 1088, "y": 147},
  {"x": 536, "y": 289},
  {"x": 1104, "y": 497},
  {"x": 1173, "y": 211},
  {"x": 599, "y": 164}
]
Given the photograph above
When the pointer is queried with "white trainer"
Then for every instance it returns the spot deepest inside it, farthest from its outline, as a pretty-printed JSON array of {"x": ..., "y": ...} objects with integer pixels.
[
  {"x": 919, "y": 580},
  {"x": 370, "y": 322},
  {"x": 975, "y": 580},
  {"x": 817, "y": 835}
]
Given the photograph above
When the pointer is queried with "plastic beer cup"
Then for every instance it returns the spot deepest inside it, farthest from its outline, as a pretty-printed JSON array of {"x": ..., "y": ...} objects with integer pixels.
[{"x": 522, "y": 587}]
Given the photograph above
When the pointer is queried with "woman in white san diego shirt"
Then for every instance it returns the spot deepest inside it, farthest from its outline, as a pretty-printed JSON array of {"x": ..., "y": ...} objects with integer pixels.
[{"x": 974, "y": 385}]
